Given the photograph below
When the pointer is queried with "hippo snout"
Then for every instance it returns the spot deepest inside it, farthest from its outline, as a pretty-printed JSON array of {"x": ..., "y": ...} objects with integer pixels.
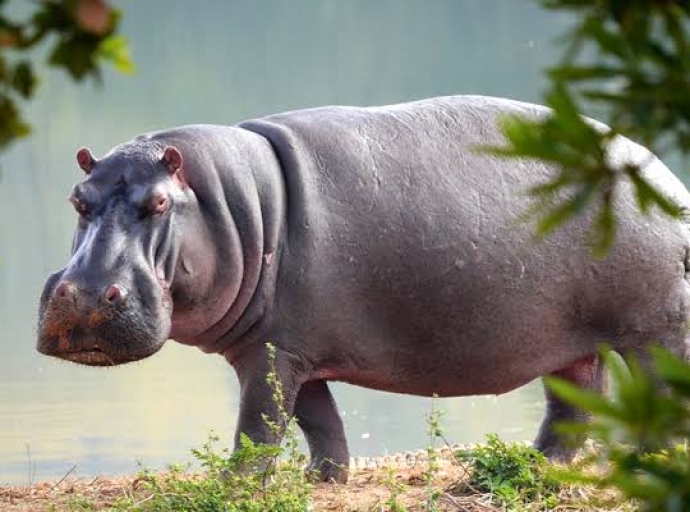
[{"x": 97, "y": 326}]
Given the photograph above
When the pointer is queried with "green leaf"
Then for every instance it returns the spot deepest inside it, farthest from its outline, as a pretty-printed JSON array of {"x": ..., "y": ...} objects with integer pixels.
[
  {"x": 573, "y": 129},
  {"x": 647, "y": 195},
  {"x": 609, "y": 43},
  {"x": 576, "y": 73},
  {"x": 617, "y": 366},
  {"x": 603, "y": 232},
  {"x": 76, "y": 55},
  {"x": 12, "y": 126},
  {"x": 52, "y": 16},
  {"x": 564, "y": 212},
  {"x": 674, "y": 25},
  {"x": 550, "y": 188},
  {"x": 584, "y": 399},
  {"x": 24, "y": 79},
  {"x": 115, "y": 50},
  {"x": 246, "y": 442},
  {"x": 673, "y": 370},
  {"x": 558, "y": 216}
]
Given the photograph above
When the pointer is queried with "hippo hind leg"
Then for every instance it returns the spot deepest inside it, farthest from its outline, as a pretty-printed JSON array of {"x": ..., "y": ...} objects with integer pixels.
[
  {"x": 318, "y": 418},
  {"x": 587, "y": 373}
]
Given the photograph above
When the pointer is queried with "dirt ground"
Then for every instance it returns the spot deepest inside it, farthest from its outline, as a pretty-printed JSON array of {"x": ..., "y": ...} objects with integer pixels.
[{"x": 367, "y": 491}]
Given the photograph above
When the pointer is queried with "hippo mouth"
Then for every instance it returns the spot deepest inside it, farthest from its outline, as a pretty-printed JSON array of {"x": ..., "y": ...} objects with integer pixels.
[
  {"x": 91, "y": 353},
  {"x": 97, "y": 357},
  {"x": 96, "y": 338},
  {"x": 90, "y": 357}
]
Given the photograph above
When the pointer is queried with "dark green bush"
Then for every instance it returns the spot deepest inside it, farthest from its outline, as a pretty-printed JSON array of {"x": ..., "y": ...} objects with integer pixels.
[{"x": 516, "y": 475}]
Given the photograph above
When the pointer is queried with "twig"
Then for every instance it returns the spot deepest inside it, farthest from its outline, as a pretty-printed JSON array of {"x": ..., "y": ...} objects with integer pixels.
[
  {"x": 32, "y": 468},
  {"x": 461, "y": 503},
  {"x": 63, "y": 478}
]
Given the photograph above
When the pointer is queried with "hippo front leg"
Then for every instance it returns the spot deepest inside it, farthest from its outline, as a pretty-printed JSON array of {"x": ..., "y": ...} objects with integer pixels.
[
  {"x": 318, "y": 418},
  {"x": 258, "y": 406}
]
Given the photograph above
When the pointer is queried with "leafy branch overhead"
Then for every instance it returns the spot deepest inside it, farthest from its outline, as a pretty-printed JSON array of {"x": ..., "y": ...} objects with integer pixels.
[
  {"x": 631, "y": 59},
  {"x": 83, "y": 35}
]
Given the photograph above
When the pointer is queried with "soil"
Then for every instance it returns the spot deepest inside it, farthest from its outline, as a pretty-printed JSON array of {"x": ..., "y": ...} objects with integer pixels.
[{"x": 367, "y": 490}]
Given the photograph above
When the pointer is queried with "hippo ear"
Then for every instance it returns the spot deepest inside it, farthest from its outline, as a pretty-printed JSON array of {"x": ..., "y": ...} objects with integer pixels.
[
  {"x": 85, "y": 160},
  {"x": 172, "y": 158}
]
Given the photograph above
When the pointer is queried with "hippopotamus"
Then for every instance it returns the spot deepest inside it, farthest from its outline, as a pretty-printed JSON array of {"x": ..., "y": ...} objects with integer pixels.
[{"x": 374, "y": 246}]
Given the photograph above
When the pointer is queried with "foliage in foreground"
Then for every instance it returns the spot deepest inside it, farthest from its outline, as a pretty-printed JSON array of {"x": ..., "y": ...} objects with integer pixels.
[
  {"x": 225, "y": 484},
  {"x": 515, "y": 475},
  {"x": 251, "y": 479},
  {"x": 503, "y": 476},
  {"x": 642, "y": 429},
  {"x": 630, "y": 60},
  {"x": 83, "y": 35}
]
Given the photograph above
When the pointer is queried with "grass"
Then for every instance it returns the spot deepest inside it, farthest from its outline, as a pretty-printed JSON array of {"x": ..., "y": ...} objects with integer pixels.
[{"x": 224, "y": 485}]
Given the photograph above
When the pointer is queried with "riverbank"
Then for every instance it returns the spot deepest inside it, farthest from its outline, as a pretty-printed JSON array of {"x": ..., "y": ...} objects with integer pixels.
[
  {"x": 376, "y": 484},
  {"x": 368, "y": 489}
]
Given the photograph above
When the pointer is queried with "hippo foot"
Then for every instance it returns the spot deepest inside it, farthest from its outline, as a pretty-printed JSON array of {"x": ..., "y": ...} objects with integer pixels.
[
  {"x": 325, "y": 470},
  {"x": 556, "y": 449},
  {"x": 559, "y": 454}
]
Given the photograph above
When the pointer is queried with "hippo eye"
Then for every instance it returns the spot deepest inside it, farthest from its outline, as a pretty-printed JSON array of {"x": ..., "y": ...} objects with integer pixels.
[{"x": 158, "y": 204}]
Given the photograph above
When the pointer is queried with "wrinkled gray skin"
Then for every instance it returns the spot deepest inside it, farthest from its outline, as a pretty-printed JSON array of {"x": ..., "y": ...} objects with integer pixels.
[{"x": 370, "y": 245}]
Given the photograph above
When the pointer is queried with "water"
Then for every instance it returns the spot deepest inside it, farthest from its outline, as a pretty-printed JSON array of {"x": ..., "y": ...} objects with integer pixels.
[{"x": 222, "y": 63}]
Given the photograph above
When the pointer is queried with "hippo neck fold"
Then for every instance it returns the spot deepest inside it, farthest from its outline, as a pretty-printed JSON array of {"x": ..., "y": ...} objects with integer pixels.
[{"x": 240, "y": 197}]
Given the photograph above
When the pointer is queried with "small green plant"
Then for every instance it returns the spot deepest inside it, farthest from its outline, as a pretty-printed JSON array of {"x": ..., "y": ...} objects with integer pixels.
[
  {"x": 396, "y": 488},
  {"x": 641, "y": 431},
  {"x": 80, "y": 504},
  {"x": 515, "y": 475},
  {"x": 274, "y": 485},
  {"x": 286, "y": 426},
  {"x": 435, "y": 432}
]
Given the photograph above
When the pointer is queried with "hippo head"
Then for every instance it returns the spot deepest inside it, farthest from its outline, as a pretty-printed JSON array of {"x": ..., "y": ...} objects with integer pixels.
[{"x": 112, "y": 303}]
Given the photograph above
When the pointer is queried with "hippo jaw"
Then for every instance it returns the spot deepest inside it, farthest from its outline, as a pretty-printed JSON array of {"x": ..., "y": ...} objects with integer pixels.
[
  {"x": 93, "y": 356},
  {"x": 90, "y": 353}
]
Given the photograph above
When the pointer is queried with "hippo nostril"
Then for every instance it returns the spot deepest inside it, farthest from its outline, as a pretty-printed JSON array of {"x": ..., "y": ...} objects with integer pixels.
[
  {"x": 65, "y": 290},
  {"x": 114, "y": 293}
]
